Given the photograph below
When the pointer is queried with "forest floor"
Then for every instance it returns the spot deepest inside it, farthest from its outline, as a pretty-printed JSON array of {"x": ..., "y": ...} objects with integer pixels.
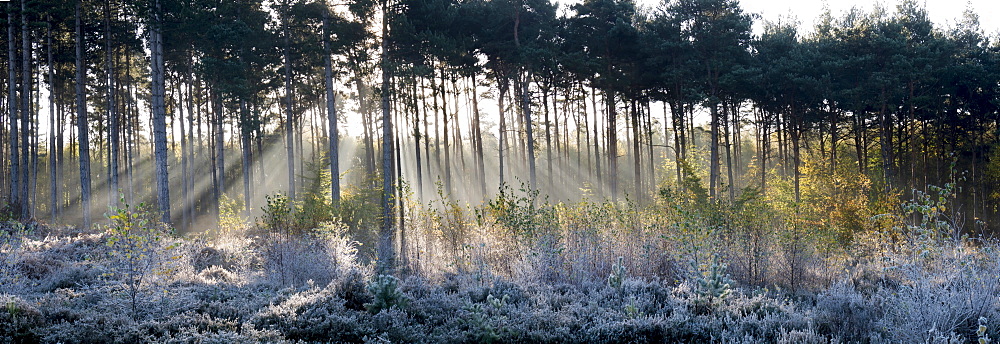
[{"x": 132, "y": 282}]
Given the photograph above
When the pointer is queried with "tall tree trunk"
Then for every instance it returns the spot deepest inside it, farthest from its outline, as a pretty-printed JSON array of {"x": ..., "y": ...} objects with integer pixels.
[
  {"x": 444, "y": 135},
  {"x": 386, "y": 249},
  {"x": 112, "y": 111},
  {"x": 185, "y": 175},
  {"x": 502, "y": 86},
  {"x": 612, "y": 143},
  {"x": 81, "y": 120},
  {"x": 416, "y": 142},
  {"x": 245, "y": 149},
  {"x": 597, "y": 141},
  {"x": 651, "y": 172},
  {"x": 435, "y": 91},
  {"x": 548, "y": 134},
  {"x": 713, "y": 161},
  {"x": 331, "y": 112},
  {"x": 526, "y": 110},
  {"x": 26, "y": 116},
  {"x": 427, "y": 141},
  {"x": 729, "y": 153},
  {"x": 289, "y": 120},
  {"x": 478, "y": 134},
  {"x": 220, "y": 145},
  {"x": 53, "y": 181},
  {"x": 12, "y": 105},
  {"x": 159, "y": 113},
  {"x": 637, "y": 162}
]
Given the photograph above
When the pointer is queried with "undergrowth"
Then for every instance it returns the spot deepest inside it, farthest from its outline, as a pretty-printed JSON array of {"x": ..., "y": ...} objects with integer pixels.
[{"x": 519, "y": 268}]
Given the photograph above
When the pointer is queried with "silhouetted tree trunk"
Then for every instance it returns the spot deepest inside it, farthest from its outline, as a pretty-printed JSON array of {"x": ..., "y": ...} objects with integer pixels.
[
  {"x": 26, "y": 116},
  {"x": 416, "y": 139},
  {"x": 444, "y": 136},
  {"x": 713, "y": 162},
  {"x": 12, "y": 104},
  {"x": 526, "y": 110},
  {"x": 478, "y": 135},
  {"x": 186, "y": 177},
  {"x": 81, "y": 120},
  {"x": 245, "y": 150},
  {"x": 289, "y": 122},
  {"x": 53, "y": 181},
  {"x": 637, "y": 162},
  {"x": 112, "y": 111},
  {"x": 386, "y": 249},
  {"x": 159, "y": 113},
  {"x": 612, "y": 144},
  {"x": 502, "y": 85},
  {"x": 331, "y": 112}
]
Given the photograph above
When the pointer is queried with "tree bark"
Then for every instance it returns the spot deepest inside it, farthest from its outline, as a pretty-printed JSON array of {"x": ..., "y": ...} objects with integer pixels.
[
  {"x": 53, "y": 181},
  {"x": 26, "y": 116},
  {"x": 12, "y": 105},
  {"x": 289, "y": 121},
  {"x": 526, "y": 110},
  {"x": 331, "y": 112},
  {"x": 245, "y": 150},
  {"x": 636, "y": 160},
  {"x": 159, "y": 113},
  {"x": 81, "y": 120},
  {"x": 502, "y": 86},
  {"x": 478, "y": 135},
  {"x": 386, "y": 247},
  {"x": 112, "y": 112},
  {"x": 612, "y": 144}
]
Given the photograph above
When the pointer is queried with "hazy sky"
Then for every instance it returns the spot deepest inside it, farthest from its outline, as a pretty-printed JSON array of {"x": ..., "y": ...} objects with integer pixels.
[{"x": 942, "y": 12}]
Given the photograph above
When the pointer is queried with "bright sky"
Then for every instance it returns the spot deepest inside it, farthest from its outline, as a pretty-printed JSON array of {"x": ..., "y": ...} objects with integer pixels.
[{"x": 942, "y": 12}]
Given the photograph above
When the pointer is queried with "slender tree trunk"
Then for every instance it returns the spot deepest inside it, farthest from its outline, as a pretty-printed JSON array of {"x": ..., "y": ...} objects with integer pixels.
[
  {"x": 12, "y": 105},
  {"x": 185, "y": 175},
  {"x": 81, "y": 120},
  {"x": 502, "y": 86},
  {"x": 477, "y": 133},
  {"x": 112, "y": 113},
  {"x": 444, "y": 135},
  {"x": 612, "y": 143},
  {"x": 53, "y": 181},
  {"x": 416, "y": 143},
  {"x": 548, "y": 134},
  {"x": 386, "y": 249},
  {"x": 26, "y": 115},
  {"x": 648, "y": 116},
  {"x": 526, "y": 110},
  {"x": 637, "y": 162},
  {"x": 713, "y": 162},
  {"x": 586, "y": 130},
  {"x": 597, "y": 141},
  {"x": 331, "y": 112},
  {"x": 159, "y": 113},
  {"x": 219, "y": 132},
  {"x": 435, "y": 91},
  {"x": 245, "y": 150},
  {"x": 729, "y": 155},
  {"x": 427, "y": 140},
  {"x": 289, "y": 121}
]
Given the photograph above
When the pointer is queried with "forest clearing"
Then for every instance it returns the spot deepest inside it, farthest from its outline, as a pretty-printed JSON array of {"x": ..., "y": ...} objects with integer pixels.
[{"x": 482, "y": 171}]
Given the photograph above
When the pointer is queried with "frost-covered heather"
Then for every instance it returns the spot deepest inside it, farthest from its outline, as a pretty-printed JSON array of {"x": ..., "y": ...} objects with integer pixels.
[{"x": 508, "y": 272}]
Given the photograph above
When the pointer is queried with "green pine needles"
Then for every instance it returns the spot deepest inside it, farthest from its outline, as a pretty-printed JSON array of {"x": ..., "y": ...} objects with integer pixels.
[
  {"x": 617, "y": 275},
  {"x": 385, "y": 294}
]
